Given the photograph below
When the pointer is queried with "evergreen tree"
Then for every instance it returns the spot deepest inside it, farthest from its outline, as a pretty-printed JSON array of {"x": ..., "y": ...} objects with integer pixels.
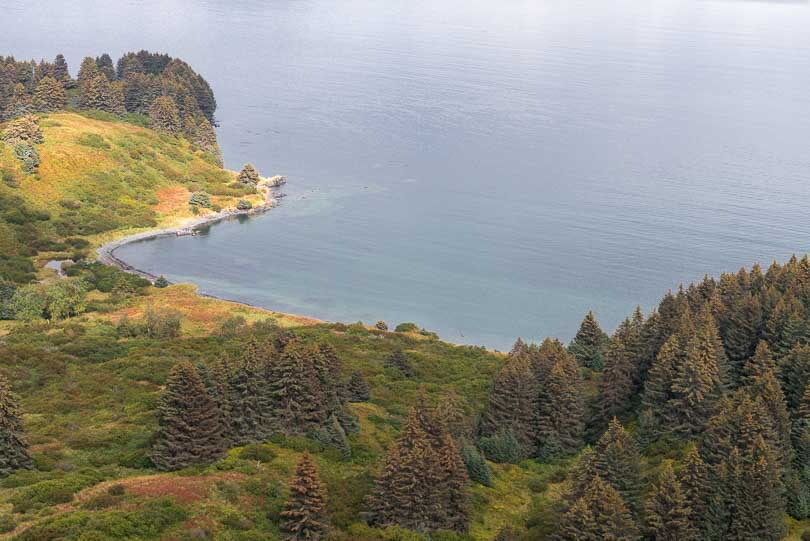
[
  {"x": 559, "y": 418},
  {"x": 513, "y": 404},
  {"x": 407, "y": 477},
  {"x": 696, "y": 489},
  {"x": 13, "y": 446},
  {"x": 658, "y": 394},
  {"x": 477, "y": 468},
  {"x": 423, "y": 484},
  {"x": 589, "y": 343},
  {"x": 189, "y": 430},
  {"x": 787, "y": 325},
  {"x": 617, "y": 462},
  {"x": 761, "y": 362},
  {"x": 299, "y": 402},
  {"x": 399, "y": 361},
  {"x": 452, "y": 415},
  {"x": 697, "y": 385},
  {"x": 87, "y": 71},
  {"x": 95, "y": 93},
  {"x": 248, "y": 175},
  {"x": 105, "y": 66},
  {"x": 49, "y": 96},
  {"x": 616, "y": 387},
  {"x": 454, "y": 500},
  {"x": 752, "y": 484},
  {"x": 600, "y": 514},
  {"x": 164, "y": 117},
  {"x": 667, "y": 511},
  {"x": 247, "y": 397},
  {"x": 358, "y": 390},
  {"x": 61, "y": 73},
  {"x": 20, "y": 103},
  {"x": 795, "y": 375},
  {"x": 765, "y": 387},
  {"x": 304, "y": 516}
]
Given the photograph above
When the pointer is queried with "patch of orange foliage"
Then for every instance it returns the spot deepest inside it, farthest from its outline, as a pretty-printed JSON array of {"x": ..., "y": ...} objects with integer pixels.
[
  {"x": 183, "y": 489},
  {"x": 172, "y": 199},
  {"x": 203, "y": 315}
]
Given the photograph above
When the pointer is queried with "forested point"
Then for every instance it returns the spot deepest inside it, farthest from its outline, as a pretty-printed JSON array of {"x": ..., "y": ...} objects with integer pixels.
[
  {"x": 145, "y": 88},
  {"x": 136, "y": 411}
]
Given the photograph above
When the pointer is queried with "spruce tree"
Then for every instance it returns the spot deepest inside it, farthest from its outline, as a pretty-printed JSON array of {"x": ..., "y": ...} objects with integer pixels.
[
  {"x": 454, "y": 500},
  {"x": 87, "y": 71},
  {"x": 423, "y": 484},
  {"x": 451, "y": 413},
  {"x": 247, "y": 398},
  {"x": 667, "y": 513},
  {"x": 399, "y": 361},
  {"x": 60, "y": 72},
  {"x": 787, "y": 325},
  {"x": 49, "y": 96},
  {"x": 13, "y": 446},
  {"x": 560, "y": 413},
  {"x": 248, "y": 175},
  {"x": 765, "y": 387},
  {"x": 105, "y": 66},
  {"x": 95, "y": 93},
  {"x": 299, "y": 401},
  {"x": 399, "y": 496},
  {"x": 697, "y": 384},
  {"x": 617, "y": 462},
  {"x": 189, "y": 429},
  {"x": 694, "y": 481},
  {"x": 512, "y": 404},
  {"x": 761, "y": 362},
  {"x": 358, "y": 390},
  {"x": 795, "y": 375},
  {"x": 616, "y": 387},
  {"x": 164, "y": 117},
  {"x": 600, "y": 514},
  {"x": 589, "y": 343},
  {"x": 20, "y": 104},
  {"x": 304, "y": 516},
  {"x": 658, "y": 394}
]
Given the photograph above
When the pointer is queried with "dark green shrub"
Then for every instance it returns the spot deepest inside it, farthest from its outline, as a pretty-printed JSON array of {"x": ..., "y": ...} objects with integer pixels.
[
  {"x": 407, "y": 327},
  {"x": 29, "y": 156},
  {"x": 200, "y": 200},
  {"x": 161, "y": 282},
  {"x": 502, "y": 447},
  {"x": 7, "y": 523},
  {"x": 477, "y": 467},
  {"x": 382, "y": 325},
  {"x": 93, "y": 140},
  {"x": 244, "y": 205},
  {"x": 258, "y": 452},
  {"x": 116, "y": 490}
]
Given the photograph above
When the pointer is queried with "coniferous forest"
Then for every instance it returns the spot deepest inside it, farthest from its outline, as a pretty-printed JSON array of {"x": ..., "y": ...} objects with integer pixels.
[{"x": 139, "y": 410}]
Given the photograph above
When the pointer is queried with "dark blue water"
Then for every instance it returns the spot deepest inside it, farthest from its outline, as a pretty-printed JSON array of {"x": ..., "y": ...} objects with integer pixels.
[{"x": 486, "y": 169}]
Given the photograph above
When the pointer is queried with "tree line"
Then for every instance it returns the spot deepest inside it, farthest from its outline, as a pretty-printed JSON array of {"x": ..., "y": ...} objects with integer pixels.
[
  {"x": 721, "y": 367},
  {"x": 167, "y": 90}
]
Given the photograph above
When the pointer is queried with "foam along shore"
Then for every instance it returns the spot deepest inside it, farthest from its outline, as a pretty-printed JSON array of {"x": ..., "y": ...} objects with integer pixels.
[{"x": 106, "y": 253}]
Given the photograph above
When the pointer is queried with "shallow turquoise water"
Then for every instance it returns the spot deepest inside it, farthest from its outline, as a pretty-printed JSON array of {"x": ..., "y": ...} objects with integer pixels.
[{"x": 486, "y": 169}]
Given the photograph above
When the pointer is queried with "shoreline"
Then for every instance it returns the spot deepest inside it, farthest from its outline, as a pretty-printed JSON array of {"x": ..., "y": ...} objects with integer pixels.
[{"x": 105, "y": 254}]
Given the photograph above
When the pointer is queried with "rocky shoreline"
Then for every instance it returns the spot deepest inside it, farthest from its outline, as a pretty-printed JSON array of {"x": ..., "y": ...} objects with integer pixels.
[{"x": 106, "y": 253}]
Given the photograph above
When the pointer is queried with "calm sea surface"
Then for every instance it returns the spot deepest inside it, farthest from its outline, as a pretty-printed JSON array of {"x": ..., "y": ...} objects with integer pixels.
[{"x": 486, "y": 169}]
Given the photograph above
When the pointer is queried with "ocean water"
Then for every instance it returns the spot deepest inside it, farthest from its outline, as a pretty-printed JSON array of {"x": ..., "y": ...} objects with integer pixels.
[{"x": 486, "y": 169}]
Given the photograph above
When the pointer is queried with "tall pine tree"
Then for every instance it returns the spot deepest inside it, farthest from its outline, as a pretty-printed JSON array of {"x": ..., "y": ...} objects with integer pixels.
[
  {"x": 189, "y": 430},
  {"x": 13, "y": 447},
  {"x": 304, "y": 516}
]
